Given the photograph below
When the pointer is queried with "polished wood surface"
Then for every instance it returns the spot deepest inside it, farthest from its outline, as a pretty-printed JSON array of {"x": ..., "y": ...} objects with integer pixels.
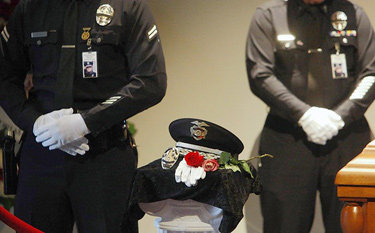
[{"x": 356, "y": 187}]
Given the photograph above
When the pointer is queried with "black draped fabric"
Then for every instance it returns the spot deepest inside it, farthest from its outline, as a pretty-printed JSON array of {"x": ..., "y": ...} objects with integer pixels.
[{"x": 223, "y": 188}]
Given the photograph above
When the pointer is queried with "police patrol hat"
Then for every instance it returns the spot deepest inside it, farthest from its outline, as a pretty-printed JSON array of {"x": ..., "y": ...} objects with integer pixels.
[
  {"x": 204, "y": 133},
  {"x": 88, "y": 64}
]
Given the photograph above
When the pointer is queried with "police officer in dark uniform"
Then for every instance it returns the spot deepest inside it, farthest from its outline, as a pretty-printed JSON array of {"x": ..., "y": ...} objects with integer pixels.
[
  {"x": 89, "y": 72},
  {"x": 316, "y": 120},
  {"x": 77, "y": 158}
]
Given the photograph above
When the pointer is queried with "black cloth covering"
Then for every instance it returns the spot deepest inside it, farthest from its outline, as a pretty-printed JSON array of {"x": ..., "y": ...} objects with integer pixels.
[{"x": 222, "y": 188}]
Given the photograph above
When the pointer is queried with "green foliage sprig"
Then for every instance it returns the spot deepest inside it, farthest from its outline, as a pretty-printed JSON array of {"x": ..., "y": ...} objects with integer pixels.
[{"x": 227, "y": 161}]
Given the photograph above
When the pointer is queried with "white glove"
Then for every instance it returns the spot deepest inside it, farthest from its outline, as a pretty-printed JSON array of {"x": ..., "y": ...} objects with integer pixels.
[
  {"x": 49, "y": 118},
  {"x": 335, "y": 118},
  {"x": 182, "y": 173},
  {"x": 79, "y": 146},
  {"x": 196, "y": 173},
  {"x": 320, "y": 124},
  {"x": 62, "y": 131},
  {"x": 188, "y": 174}
]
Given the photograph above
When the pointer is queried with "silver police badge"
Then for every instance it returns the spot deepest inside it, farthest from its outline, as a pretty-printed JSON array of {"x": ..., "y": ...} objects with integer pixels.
[
  {"x": 339, "y": 20},
  {"x": 169, "y": 158},
  {"x": 104, "y": 14},
  {"x": 198, "y": 132}
]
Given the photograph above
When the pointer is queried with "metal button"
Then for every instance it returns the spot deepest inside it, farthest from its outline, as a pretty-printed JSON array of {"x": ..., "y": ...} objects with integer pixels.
[
  {"x": 98, "y": 40},
  {"x": 39, "y": 42},
  {"x": 345, "y": 40},
  {"x": 299, "y": 43}
]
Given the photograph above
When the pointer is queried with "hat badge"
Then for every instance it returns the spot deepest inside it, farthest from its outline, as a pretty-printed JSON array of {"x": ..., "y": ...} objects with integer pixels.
[
  {"x": 198, "y": 132},
  {"x": 104, "y": 14},
  {"x": 339, "y": 20}
]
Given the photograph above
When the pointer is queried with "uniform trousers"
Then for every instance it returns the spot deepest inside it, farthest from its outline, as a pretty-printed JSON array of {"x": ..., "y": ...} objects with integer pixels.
[
  {"x": 299, "y": 169},
  {"x": 56, "y": 189}
]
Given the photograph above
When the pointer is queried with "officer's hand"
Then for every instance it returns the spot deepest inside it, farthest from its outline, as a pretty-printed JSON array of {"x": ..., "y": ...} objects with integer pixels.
[
  {"x": 320, "y": 124},
  {"x": 335, "y": 118},
  {"x": 48, "y": 118},
  {"x": 79, "y": 146},
  {"x": 62, "y": 131}
]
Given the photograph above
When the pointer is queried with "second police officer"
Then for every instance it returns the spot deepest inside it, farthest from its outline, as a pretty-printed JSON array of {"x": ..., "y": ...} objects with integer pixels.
[{"x": 313, "y": 63}]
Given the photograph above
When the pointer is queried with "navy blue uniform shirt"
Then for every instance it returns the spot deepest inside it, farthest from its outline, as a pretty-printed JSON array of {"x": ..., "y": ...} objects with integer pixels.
[{"x": 130, "y": 62}]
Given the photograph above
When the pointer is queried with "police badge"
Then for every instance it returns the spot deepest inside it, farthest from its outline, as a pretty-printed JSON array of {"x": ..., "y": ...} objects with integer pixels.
[
  {"x": 198, "y": 132},
  {"x": 104, "y": 14},
  {"x": 339, "y": 20},
  {"x": 169, "y": 158}
]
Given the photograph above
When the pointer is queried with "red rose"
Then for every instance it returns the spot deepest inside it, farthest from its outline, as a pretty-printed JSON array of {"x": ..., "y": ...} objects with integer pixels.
[
  {"x": 194, "y": 159},
  {"x": 210, "y": 165}
]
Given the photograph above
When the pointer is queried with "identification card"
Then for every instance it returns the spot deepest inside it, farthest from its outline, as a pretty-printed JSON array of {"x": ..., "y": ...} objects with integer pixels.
[
  {"x": 89, "y": 64},
  {"x": 338, "y": 64}
]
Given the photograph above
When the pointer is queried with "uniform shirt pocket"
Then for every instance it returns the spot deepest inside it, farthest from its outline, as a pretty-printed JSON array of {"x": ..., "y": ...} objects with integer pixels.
[
  {"x": 110, "y": 52},
  {"x": 44, "y": 51}
]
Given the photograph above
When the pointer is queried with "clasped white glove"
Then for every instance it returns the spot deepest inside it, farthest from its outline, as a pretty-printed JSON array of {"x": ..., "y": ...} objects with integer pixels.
[
  {"x": 79, "y": 146},
  {"x": 188, "y": 174},
  {"x": 54, "y": 133},
  {"x": 50, "y": 117},
  {"x": 321, "y": 124}
]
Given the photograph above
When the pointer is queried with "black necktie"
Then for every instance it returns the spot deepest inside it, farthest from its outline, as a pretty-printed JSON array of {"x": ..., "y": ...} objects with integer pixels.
[
  {"x": 316, "y": 62},
  {"x": 313, "y": 30},
  {"x": 65, "y": 72}
]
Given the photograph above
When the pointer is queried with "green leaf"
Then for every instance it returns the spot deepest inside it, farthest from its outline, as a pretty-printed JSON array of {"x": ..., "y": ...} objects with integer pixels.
[
  {"x": 132, "y": 128},
  {"x": 234, "y": 161},
  {"x": 234, "y": 168},
  {"x": 224, "y": 158},
  {"x": 246, "y": 167}
]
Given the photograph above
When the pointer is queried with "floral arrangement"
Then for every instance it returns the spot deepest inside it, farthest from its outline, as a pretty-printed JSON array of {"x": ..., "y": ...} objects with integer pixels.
[{"x": 225, "y": 161}]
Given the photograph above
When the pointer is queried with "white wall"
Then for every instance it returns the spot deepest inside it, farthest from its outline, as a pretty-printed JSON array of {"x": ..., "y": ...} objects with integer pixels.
[{"x": 204, "y": 46}]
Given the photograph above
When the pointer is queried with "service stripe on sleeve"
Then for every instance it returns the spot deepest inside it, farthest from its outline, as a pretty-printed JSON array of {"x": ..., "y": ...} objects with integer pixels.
[
  {"x": 112, "y": 100},
  {"x": 5, "y": 34},
  {"x": 152, "y": 33},
  {"x": 363, "y": 88}
]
